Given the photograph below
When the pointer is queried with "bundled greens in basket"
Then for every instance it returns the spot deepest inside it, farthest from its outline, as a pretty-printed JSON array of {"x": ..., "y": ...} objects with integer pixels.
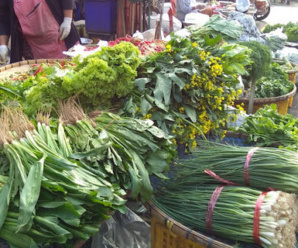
[
  {"x": 238, "y": 213},
  {"x": 267, "y": 127},
  {"x": 48, "y": 197},
  {"x": 64, "y": 179},
  {"x": 260, "y": 168},
  {"x": 123, "y": 149}
]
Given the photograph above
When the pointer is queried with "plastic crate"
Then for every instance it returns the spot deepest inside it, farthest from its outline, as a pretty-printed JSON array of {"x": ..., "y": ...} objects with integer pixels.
[{"x": 101, "y": 16}]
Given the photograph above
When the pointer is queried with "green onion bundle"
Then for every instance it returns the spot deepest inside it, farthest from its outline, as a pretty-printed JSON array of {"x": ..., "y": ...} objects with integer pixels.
[
  {"x": 260, "y": 168},
  {"x": 229, "y": 212}
]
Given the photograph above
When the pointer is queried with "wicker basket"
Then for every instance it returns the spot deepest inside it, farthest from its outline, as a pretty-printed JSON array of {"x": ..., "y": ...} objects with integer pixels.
[
  {"x": 22, "y": 66},
  {"x": 282, "y": 102},
  {"x": 168, "y": 233}
]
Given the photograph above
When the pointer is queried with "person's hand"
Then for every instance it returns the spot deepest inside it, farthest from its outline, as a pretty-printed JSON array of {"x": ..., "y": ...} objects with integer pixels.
[
  {"x": 65, "y": 27},
  {"x": 201, "y": 6},
  {"x": 3, "y": 54}
]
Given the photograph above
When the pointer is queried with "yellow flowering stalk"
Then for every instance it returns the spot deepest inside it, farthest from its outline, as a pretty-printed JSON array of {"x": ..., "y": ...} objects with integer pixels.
[{"x": 187, "y": 89}]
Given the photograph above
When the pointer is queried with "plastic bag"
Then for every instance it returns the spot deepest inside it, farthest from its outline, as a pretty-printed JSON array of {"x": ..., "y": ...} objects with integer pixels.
[
  {"x": 122, "y": 231},
  {"x": 196, "y": 18},
  {"x": 287, "y": 52},
  {"x": 276, "y": 39},
  {"x": 177, "y": 25}
]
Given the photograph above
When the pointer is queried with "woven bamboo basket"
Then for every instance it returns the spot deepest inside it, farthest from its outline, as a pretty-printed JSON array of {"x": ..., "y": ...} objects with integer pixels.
[
  {"x": 282, "y": 102},
  {"x": 168, "y": 233},
  {"x": 23, "y": 66},
  {"x": 292, "y": 74}
]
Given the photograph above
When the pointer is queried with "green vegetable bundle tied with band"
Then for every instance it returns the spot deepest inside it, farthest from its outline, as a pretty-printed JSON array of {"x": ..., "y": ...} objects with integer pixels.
[
  {"x": 260, "y": 168},
  {"x": 238, "y": 213}
]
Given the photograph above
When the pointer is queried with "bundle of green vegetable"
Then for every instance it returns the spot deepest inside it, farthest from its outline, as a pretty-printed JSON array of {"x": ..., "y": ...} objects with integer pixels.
[
  {"x": 233, "y": 212},
  {"x": 124, "y": 150},
  {"x": 260, "y": 168},
  {"x": 269, "y": 128},
  {"x": 216, "y": 27},
  {"x": 48, "y": 197},
  {"x": 186, "y": 89},
  {"x": 275, "y": 83}
]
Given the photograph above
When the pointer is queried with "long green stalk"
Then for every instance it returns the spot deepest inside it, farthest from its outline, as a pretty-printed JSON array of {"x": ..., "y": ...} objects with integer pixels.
[
  {"x": 233, "y": 213},
  {"x": 267, "y": 168}
]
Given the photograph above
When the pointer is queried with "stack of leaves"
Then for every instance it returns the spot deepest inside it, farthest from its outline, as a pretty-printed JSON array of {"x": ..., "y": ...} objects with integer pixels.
[
  {"x": 269, "y": 128},
  {"x": 123, "y": 150},
  {"x": 237, "y": 213},
  {"x": 260, "y": 168},
  {"x": 48, "y": 197},
  {"x": 275, "y": 83},
  {"x": 185, "y": 89}
]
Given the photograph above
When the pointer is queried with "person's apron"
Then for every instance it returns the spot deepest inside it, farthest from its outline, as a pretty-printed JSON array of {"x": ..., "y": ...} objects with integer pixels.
[{"x": 39, "y": 28}]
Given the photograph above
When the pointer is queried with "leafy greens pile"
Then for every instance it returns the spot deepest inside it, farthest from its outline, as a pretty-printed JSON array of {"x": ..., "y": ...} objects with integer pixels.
[
  {"x": 269, "y": 128},
  {"x": 63, "y": 179},
  {"x": 276, "y": 83},
  {"x": 98, "y": 80},
  {"x": 185, "y": 89}
]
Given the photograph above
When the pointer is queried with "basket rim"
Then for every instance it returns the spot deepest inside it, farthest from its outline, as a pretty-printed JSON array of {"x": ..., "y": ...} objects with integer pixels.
[
  {"x": 182, "y": 230},
  {"x": 29, "y": 62},
  {"x": 269, "y": 99}
]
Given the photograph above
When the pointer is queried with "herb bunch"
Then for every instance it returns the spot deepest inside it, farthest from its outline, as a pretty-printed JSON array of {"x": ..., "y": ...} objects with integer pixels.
[{"x": 186, "y": 88}]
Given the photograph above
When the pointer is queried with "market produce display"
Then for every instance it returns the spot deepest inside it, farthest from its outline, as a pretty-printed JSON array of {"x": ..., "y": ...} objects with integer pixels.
[
  {"x": 269, "y": 128},
  {"x": 110, "y": 73},
  {"x": 275, "y": 83},
  {"x": 61, "y": 178},
  {"x": 146, "y": 47},
  {"x": 259, "y": 168},
  {"x": 265, "y": 218},
  {"x": 290, "y": 29},
  {"x": 186, "y": 88},
  {"x": 80, "y": 136}
]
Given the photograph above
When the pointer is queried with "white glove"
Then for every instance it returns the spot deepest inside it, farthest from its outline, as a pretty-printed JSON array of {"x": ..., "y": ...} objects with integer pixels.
[
  {"x": 3, "y": 54},
  {"x": 65, "y": 27}
]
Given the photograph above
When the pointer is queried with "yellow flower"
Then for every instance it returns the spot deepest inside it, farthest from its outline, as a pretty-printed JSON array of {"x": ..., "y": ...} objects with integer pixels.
[
  {"x": 169, "y": 48},
  {"x": 194, "y": 44}
]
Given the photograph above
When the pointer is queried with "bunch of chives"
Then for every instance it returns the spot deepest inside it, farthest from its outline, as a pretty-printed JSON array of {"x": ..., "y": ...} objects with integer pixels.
[
  {"x": 259, "y": 168},
  {"x": 233, "y": 214}
]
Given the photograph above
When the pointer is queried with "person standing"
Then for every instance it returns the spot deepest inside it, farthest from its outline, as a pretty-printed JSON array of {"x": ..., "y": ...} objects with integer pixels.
[{"x": 37, "y": 29}]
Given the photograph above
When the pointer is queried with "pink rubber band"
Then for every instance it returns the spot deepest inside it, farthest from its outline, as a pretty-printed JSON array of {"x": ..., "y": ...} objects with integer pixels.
[
  {"x": 210, "y": 208},
  {"x": 246, "y": 165},
  {"x": 212, "y": 174}
]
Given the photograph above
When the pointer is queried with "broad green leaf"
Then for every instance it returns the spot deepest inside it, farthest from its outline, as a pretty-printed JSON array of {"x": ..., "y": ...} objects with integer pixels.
[
  {"x": 177, "y": 80},
  {"x": 30, "y": 194},
  {"x": 141, "y": 83},
  {"x": 162, "y": 91},
  {"x": 191, "y": 113},
  {"x": 145, "y": 106}
]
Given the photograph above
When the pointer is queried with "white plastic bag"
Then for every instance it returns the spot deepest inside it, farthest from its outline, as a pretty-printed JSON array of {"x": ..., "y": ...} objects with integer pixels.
[{"x": 196, "y": 18}]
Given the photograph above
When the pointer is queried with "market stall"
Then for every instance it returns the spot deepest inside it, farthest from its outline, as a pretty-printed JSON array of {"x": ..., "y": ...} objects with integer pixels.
[{"x": 145, "y": 121}]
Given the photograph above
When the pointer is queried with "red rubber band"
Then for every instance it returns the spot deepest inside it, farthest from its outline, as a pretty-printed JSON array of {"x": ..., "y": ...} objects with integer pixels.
[
  {"x": 212, "y": 174},
  {"x": 246, "y": 165},
  {"x": 210, "y": 208},
  {"x": 256, "y": 224}
]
